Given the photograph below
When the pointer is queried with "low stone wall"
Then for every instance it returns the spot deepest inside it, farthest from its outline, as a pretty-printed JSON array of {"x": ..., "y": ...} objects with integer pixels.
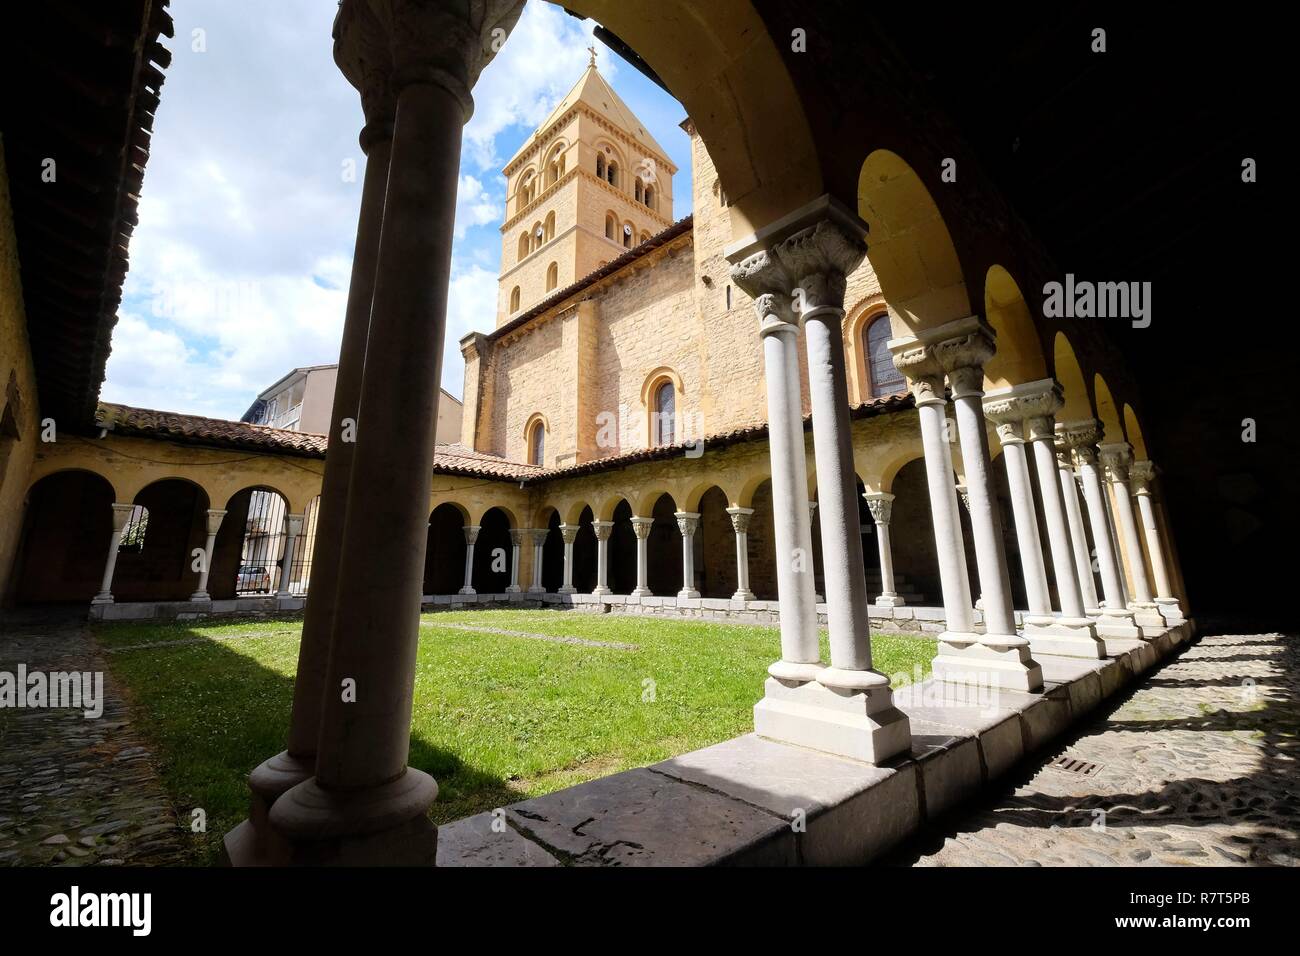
[
  {"x": 194, "y": 610},
  {"x": 754, "y": 801}
]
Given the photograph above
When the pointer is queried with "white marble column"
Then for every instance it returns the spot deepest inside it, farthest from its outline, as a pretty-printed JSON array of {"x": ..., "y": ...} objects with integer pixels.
[
  {"x": 740, "y": 518},
  {"x": 1007, "y": 412},
  {"x": 569, "y": 532},
  {"x": 471, "y": 536},
  {"x": 538, "y": 537},
  {"x": 292, "y": 528},
  {"x": 881, "y": 506},
  {"x": 214, "y": 525},
  {"x": 1000, "y": 656},
  {"x": 516, "y": 548},
  {"x": 641, "y": 528},
  {"x": 1078, "y": 534},
  {"x": 1116, "y": 619},
  {"x": 365, "y": 804},
  {"x": 688, "y": 522},
  {"x": 602, "y": 530},
  {"x": 121, "y": 515},
  {"x": 1117, "y": 457},
  {"x": 848, "y": 708},
  {"x": 1143, "y": 475}
]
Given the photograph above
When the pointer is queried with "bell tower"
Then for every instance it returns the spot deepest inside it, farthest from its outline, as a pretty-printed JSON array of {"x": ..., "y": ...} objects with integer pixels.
[{"x": 589, "y": 185}]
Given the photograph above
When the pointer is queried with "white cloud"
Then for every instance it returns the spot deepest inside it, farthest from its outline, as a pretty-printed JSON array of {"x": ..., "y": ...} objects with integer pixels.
[
  {"x": 471, "y": 306},
  {"x": 474, "y": 207}
]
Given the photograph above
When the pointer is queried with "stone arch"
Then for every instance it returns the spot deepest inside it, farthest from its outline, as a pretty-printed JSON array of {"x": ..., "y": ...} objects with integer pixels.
[
  {"x": 553, "y": 551},
  {"x": 514, "y": 296},
  {"x": 162, "y": 569},
  {"x": 1066, "y": 370},
  {"x": 548, "y": 227},
  {"x": 552, "y": 276},
  {"x": 535, "y": 421},
  {"x": 1107, "y": 411},
  {"x": 649, "y": 395},
  {"x": 525, "y": 247},
  {"x": 1019, "y": 356},
  {"x": 863, "y": 314},
  {"x": 910, "y": 247},
  {"x": 67, "y": 528},
  {"x": 692, "y": 491},
  {"x": 664, "y": 547},
  {"x": 542, "y": 516},
  {"x": 493, "y": 551},
  {"x": 745, "y": 497},
  {"x": 444, "y": 553},
  {"x": 888, "y": 469},
  {"x": 1133, "y": 432},
  {"x": 554, "y": 165},
  {"x": 572, "y": 513},
  {"x": 251, "y": 536},
  {"x": 512, "y": 519}
]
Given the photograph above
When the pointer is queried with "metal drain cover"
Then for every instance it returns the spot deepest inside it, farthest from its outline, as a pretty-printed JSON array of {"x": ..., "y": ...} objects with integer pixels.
[{"x": 1074, "y": 765}]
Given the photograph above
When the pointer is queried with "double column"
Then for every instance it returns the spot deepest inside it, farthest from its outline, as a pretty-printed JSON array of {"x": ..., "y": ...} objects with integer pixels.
[
  {"x": 516, "y": 548},
  {"x": 471, "y": 538},
  {"x": 1078, "y": 535},
  {"x": 569, "y": 533},
  {"x": 1024, "y": 414},
  {"x": 1117, "y": 457},
  {"x": 1143, "y": 476},
  {"x": 881, "y": 506},
  {"x": 641, "y": 528},
  {"x": 796, "y": 269},
  {"x": 999, "y": 657},
  {"x": 602, "y": 530},
  {"x": 364, "y": 804},
  {"x": 538, "y": 537}
]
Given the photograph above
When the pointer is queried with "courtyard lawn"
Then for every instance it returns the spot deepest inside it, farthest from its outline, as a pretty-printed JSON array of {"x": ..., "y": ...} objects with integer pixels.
[{"x": 498, "y": 717}]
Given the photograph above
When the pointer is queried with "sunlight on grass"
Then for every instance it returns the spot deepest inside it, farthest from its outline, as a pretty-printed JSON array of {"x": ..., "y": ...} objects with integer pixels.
[{"x": 496, "y": 718}]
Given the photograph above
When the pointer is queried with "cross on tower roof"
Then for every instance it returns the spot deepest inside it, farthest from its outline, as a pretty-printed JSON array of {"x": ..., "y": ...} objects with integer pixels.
[{"x": 592, "y": 51}]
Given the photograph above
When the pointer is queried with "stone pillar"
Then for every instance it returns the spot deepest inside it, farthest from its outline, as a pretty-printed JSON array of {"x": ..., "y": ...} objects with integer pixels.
[
  {"x": 292, "y": 528},
  {"x": 881, "y": 505},
  {"x": 688, "y": 522},
  {"x": 1078, "y": 536},
  {"x": 1143, "y": 474},
  {"x": 740, "y": 518},
  {"x": 471, "y": 537},
  {"x": 602, "y": 530},
  {"x": 1009, "y": 416},
  {"x": 1001, "y": 656},
  {"x": 516, "y": 546},
  {"x": 569, "y": 532},
  {"x": 1116, "y": 619},
  {"x": 365, "y": 805},
  {"x": 848, "y": 708},
  {"x": 121, "y": 515},
  {"x": 538, "y": 536},
  {"x": 641, "y": 528},
  {"x": 365, "y": 61},
  {"x": 1117, "y": 457},
  {"x": 214, "y": 525}
]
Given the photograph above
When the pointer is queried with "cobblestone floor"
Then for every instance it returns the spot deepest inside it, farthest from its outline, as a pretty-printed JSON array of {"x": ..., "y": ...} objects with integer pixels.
[
  {"x": 76, "y": 791},
  {"x": 1197, "y": 767}
]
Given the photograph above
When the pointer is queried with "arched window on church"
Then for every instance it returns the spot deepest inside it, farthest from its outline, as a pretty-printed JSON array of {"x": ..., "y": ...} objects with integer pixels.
[
  {"x": 627, "y": 235},
  {"x": 600, "y": 166},
  {"x": 550, "y": 226},
  {"x": 663, "y": 426},
  {"x": 537, "y": 443},
  {"x": 885, "y": 378},
  {"x": 611, "y": 173},
  {"x": 552, "y": 276},
  {"x": 514, "y": 300},
  {"x": 523, "y": 245},
  {"x": 527, "y": 190},
  {"x": 535, "y": 238},
  {"x": 650, "y": 197},
  {"x": 645, "y": 237},
  {"x": 611, "y": 226},
  {"x": 639, "y": 190}
]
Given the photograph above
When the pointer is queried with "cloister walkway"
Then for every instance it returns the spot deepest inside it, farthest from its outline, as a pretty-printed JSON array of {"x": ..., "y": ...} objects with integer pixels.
[{"x": 1196, "y": 766}]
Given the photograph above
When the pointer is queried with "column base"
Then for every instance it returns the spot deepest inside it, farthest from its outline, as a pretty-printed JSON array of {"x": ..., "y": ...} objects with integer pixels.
[
  {"x": 200, "y": 596},
  {"x": 567, "y": 589},
  {"x": 600, "y": 591},
  {"x": 744, "y": 596},
  {"x": 255, "y": 842},
  {"x": 537, "y": 590},
  {"x": 387, "y": 825},
  {"x": 1118, "y": 624},
  {"x": 102, "y": 597},
  {"x": 1170, "y": 610},
  {"x": 860, "y": 725},
  {"x": 1148, "y": 616},
  {"x": 890, "y": 600},
  {"x": 1066, "y": 637},
  {"x": 468, "y": 592},
  {"x": 513, "y": 589},
  {"x": 1003, "y": 662},
  {"x": 641, "y": 592},
  {"x": 688, "y": 594}
]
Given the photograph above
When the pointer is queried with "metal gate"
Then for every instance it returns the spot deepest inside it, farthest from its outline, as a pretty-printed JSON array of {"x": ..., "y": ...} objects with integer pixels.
[{"x": 259, "y": 563}]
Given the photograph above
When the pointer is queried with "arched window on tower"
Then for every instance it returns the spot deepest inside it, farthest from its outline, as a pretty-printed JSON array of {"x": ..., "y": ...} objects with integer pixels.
[
  {"x": 611, "y": 226},
  {"x": 611, "y": 173},
  {"x": 627, "y": 235},
  {"x": 552, "y": 276},
  {"x": 639, "y": 190},
  {"x": 664, "y": 425},
  {"x": 535, "y": 239},
  {"x": 537, "y": 443},
  {"x": 650, "y": 197},
  {"x": 523, "y": 245},
  {"x": 600, "y": 166},
  {"x": 884, "y": 377},
  {"x": 514, "y": 300},
  {"x": 645, "y": 237},
  {"x": 550, "y": 226}
]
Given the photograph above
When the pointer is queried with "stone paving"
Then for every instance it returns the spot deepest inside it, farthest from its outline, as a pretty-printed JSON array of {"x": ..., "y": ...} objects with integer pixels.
[
  {"x": 76, "y": 791},
  {"x": 1197, "y": 766}
]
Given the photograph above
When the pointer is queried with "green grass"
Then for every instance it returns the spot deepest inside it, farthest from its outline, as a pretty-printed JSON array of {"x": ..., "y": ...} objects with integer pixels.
[{"x": 497, "y": 718}]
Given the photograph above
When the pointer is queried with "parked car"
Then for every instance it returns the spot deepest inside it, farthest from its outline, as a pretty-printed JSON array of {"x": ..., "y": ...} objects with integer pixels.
[{"x": 253, "y": 578}]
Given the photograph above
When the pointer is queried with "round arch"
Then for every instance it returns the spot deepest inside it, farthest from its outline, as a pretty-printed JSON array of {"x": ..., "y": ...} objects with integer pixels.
[
  {"x": 1133, "y": 432},
  {"x": 1067, "y": 371},
  {"x": 1019, "y": 356},
  {"x": 67, "y": 528},
  {"x": 1107, "y": 411}
]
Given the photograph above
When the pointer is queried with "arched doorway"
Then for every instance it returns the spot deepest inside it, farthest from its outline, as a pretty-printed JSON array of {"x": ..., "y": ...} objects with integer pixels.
[
  {"x": 664, "y": 549},
  {"x": 157, "y": 562},
  {"x": 715, "y": 547},
  {"x": 247, "y": 555},
  {"x": 444, "y": 553},
  {"x": 65, "y": 538},
  {"x": 493, "y": 553}
]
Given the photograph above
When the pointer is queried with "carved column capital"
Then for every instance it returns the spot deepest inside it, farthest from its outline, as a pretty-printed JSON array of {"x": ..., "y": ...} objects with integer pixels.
[
  {"x": 364, "y": 56},
  {"x": 641, "y": 526},
  {"x": 1010, "y": 431},
  {"x": 443, "y": 42},
  {"x": 1142, "y": 473},
  {"x": 918, "y": 365},
  {"x": 687, "y": 522},
  {"x": 880, "y": 504},
  {"x": 602, "y": 529},
  {"x": 1087, "y": 432},
  {"x": 740, "y": 518},
  {"x": 121, "y": 515},
  {"x": 215, "y": 517},
  {"x": 1116, "y": 457},
  {"x": 1040, "y": 428},
  {"x": 517, "y": 536},
  {"x": 293, "y": 525},
  {"x": 471, "y": 532},
  {"x": 1029, "y": 407},
  {"x": 962, "y": 349}
]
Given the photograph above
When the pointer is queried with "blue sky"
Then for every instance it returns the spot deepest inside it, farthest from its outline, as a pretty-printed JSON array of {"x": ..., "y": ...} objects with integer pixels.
[{"x": 240, "y": 263}]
